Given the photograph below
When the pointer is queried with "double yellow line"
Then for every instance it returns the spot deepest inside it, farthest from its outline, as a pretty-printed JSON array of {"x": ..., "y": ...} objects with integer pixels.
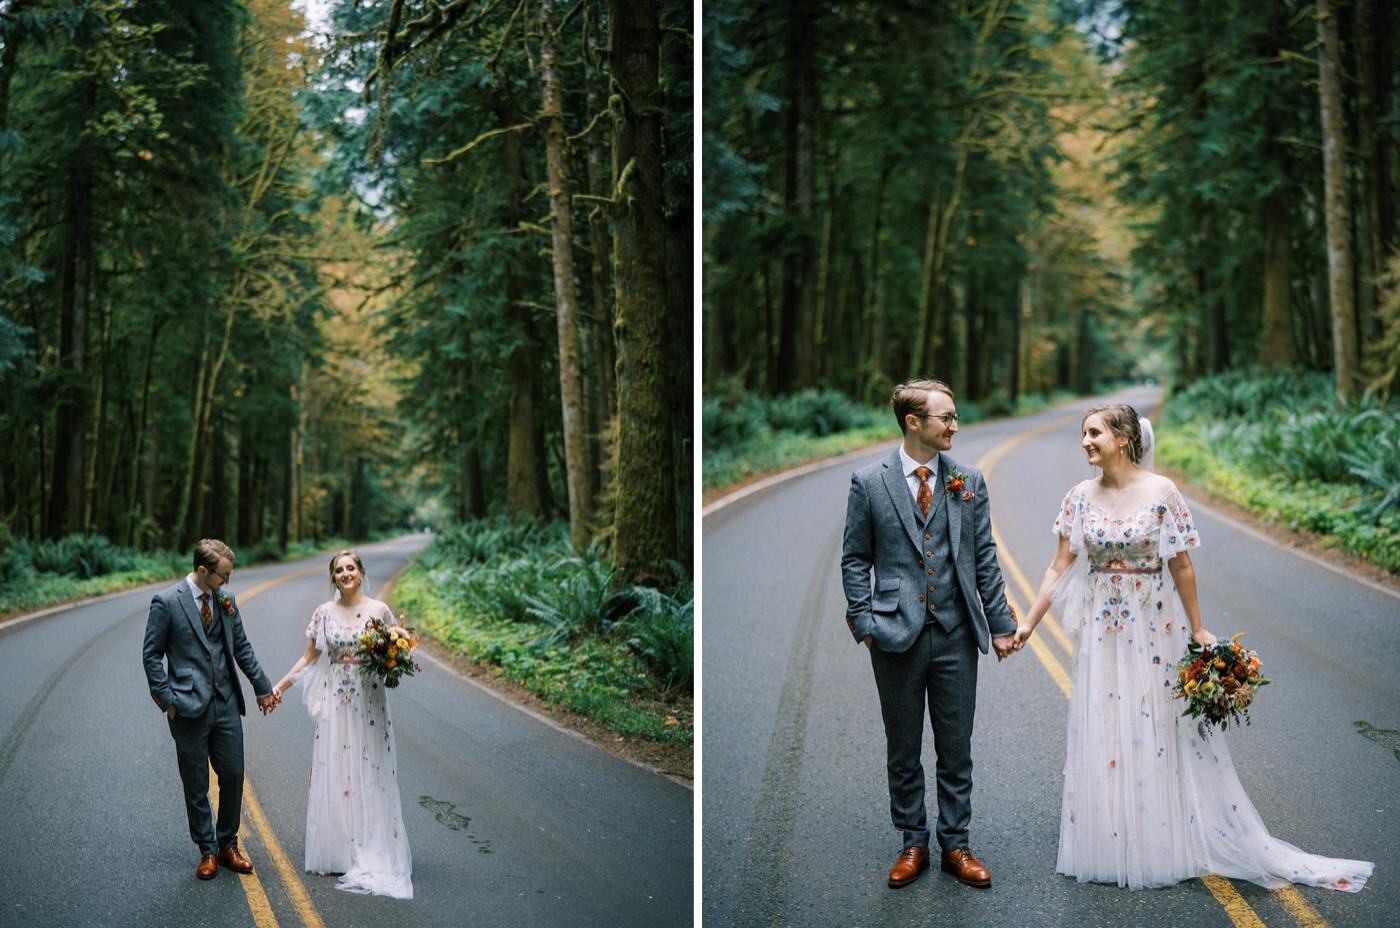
[
  {"x": 1235, "y": 906},
  {"x": 258, "y": 904}
]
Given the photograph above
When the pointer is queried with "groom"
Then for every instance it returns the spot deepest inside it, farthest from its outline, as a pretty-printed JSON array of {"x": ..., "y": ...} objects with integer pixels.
[
  {"x": 198, "y": 632},
  {"x": 922, "y": 523}
]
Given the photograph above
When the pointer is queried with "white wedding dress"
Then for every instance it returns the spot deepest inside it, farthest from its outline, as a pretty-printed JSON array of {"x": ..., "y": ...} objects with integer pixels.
[
  {"x": 354, "y": 821},
  {"x": 1147, "y": 801}
]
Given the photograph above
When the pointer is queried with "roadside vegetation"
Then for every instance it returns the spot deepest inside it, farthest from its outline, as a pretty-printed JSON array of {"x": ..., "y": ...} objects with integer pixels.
[
  {"x": 36, "y": 574},
  {"x": 748, "y": 435},
  {"x": 512, "y": 595},
  {"x": 1280, "y": 445}
]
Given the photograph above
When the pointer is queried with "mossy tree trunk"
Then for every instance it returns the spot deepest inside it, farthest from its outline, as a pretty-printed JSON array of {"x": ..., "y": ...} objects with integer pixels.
[{"x": 644, "y": 520}]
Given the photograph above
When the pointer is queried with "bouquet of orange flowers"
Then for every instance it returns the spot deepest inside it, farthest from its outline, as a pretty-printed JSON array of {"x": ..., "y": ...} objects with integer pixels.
[
  {"x": 387, "y": 651},
  {"x": 1218, "y": 682}
]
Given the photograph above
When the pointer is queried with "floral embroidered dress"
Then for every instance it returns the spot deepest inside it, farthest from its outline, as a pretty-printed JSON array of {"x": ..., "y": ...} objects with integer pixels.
[
  {"x": 354, "y": 820},
  {"x": 1147, "y": 802}
]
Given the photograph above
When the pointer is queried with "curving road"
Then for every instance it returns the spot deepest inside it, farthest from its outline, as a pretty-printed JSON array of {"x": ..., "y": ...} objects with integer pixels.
[
  {"x": 795, "y": 810},
  {"x": 512, "y": 822}
]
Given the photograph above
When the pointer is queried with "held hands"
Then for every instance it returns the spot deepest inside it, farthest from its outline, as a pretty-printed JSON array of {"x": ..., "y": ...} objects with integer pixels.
[
  {"x": 1008, "y": 645},
  {"x": 269, "y": 702}
]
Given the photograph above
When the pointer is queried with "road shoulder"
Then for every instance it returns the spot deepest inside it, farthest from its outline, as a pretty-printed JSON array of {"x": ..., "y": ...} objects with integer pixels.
[{"x": 675, "y": 762}]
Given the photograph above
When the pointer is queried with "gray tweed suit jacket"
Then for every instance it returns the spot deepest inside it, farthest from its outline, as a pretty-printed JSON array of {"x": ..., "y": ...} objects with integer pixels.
[
  {"x": 883, "y": 537},
  {"x": 175, "y": 642}
]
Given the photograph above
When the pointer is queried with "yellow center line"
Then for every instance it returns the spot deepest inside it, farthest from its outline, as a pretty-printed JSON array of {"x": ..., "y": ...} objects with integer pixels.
[
  {"x": 1235, "y": 906},
  {"x": 1304, "y": 914},
  {"x": 306, "y": 910},
  {"x": 252, "y": 887},
  {"x": 1030, "y": 593},
  {"x": 1232, "y": 902}
]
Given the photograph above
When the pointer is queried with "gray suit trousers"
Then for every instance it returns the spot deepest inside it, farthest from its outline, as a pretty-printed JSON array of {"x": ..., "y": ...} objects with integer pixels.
[
  {"x": 214, "y": 738},
  {"x": 940, "y": 668}
]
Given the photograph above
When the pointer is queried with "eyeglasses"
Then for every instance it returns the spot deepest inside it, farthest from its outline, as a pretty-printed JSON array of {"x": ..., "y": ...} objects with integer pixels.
[
  {"x": 224, "y": 577},
  {"x": 948, "y": 418}
]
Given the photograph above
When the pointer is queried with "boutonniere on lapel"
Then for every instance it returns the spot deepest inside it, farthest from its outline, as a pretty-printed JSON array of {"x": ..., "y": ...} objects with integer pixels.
[
  {"x": 226, "y": 602},
  {"x": 957, "y": 483}
]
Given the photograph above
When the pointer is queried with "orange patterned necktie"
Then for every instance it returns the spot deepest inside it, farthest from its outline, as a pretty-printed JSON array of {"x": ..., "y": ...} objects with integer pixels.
[
  {"x": 925, "y": 495},
  {"x": 204, "y": 610}
]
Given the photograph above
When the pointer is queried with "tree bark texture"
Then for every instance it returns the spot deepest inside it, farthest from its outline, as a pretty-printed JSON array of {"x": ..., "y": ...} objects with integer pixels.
[
  {"x": 565, "y": 293},
  {"x": 644, "y": 523},
  {"x": 872, "y": 366},
  {"x": 1337, "y": 207},
  {"x": 1276, "y": 322},
  {"x": 1370, "y": 244},
  {"x": 522, "y": 450},
  {"x": 599, "y": 359},
  {"x": 1276, "y": 343},
  {"x": 70, "y": 420},
  {"x": 796, "y": 350}
]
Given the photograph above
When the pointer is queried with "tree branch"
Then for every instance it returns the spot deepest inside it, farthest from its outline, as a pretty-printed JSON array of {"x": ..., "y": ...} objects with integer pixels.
[
  {"x": 505, "y": 37},
  {"x": 459, "y": 152}
]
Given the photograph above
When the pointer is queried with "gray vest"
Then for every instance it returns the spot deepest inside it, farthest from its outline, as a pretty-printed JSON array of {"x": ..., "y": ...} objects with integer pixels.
[
  {"x": 943, "y": 597},
  {"x": 218, "y": 658}
]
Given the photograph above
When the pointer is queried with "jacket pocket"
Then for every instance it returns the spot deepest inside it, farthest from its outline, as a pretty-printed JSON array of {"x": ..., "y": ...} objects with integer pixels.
[{"x": 886, "y": 598}]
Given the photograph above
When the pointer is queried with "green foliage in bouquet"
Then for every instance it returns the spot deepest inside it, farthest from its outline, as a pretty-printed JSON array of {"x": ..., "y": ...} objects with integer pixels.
[
  {"x": 1218, "y": 683},
  {"x": 387, "y": 651}
]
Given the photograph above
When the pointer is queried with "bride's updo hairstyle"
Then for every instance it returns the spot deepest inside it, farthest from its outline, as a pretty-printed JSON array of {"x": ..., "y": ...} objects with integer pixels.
[
  {"x": 1123, "y": 421},
  {"x": 358, "y": 563}
]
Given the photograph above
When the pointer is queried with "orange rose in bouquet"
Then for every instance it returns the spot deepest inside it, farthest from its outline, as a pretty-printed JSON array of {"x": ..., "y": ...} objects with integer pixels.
[
  {"x": 387, "y": 651},
  {"x": 1218, "y": 682}
]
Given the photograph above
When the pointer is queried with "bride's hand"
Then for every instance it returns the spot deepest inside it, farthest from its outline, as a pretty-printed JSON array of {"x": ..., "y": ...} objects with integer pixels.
[
  {"x": 1202, "y": 637},
  {"x": 1023, "y": 634}
]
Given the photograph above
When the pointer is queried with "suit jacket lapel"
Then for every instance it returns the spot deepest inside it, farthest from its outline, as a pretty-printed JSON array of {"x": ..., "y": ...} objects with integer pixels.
[
  {"x": 192, "y": 615},
  {"x": 898, "y": 489},
  {"x": 954, "y": 512}
]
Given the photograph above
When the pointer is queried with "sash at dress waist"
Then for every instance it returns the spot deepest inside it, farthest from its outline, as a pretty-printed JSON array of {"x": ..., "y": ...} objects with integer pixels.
[
  {"x": 350, "y": 660},
  {"x": 1109, "y": 569}
]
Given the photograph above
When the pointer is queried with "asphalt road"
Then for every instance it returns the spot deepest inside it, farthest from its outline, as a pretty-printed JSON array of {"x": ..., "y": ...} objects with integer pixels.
[
  {"x": 511, "y": 821},
  {"x": 795, "y": 813}
]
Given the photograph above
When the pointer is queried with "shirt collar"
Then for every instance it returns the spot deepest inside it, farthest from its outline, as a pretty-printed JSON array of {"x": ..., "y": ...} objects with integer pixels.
[
  {"x": 909, "y": 463},
  {"x": 195, "y": 591}
]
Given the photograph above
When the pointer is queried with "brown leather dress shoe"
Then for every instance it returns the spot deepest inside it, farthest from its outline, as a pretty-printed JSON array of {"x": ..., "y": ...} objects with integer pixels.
[
  {"x": 968, "y": 869},
  {"x": 208, "y": 866},
  {"x": 235, "y": 861},
  {"x": 911, "y": 862}
]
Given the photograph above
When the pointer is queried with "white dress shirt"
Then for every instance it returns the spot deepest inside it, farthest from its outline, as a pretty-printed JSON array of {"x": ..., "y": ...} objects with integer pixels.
[
  {"x": 197, "y": 592},
  {"x": 911, "y": 479}
]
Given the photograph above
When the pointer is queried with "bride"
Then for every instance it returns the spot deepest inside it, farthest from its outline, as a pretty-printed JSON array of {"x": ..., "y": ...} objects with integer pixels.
[
  {"x": 354, "y": 821},
  {"x": 1147, "y": 802}
]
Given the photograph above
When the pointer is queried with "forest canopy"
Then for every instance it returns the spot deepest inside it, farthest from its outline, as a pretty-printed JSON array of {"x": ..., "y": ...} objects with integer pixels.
[
  {"x": 1020, "y": 195},
  {"x": 419, "y": 262}
]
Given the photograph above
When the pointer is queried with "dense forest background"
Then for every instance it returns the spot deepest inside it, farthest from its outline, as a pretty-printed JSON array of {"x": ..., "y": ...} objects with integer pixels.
[
  {"x": 1023, "y": 195},
  {"x": 422, "y": 263}
]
